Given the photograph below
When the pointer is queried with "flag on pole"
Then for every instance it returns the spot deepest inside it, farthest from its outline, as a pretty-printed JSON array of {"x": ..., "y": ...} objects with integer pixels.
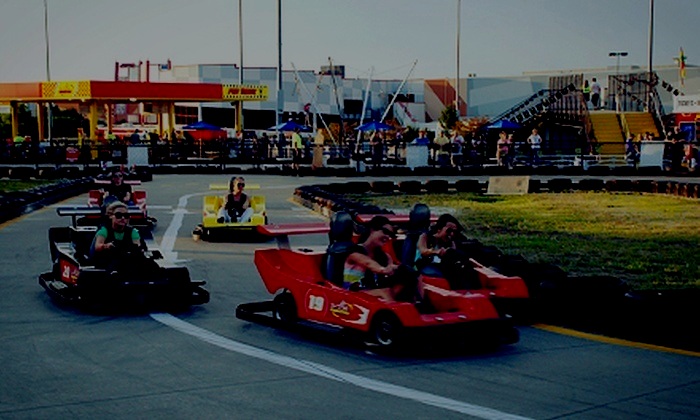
[{"x": 681, "y": 66}]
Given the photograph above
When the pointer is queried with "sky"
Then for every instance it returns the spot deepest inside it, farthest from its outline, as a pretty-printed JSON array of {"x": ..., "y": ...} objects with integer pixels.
[{"x": 497, "y": 37}]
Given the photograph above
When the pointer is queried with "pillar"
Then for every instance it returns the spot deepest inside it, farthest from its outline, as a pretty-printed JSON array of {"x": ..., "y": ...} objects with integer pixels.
[
  {"x": 171, "y": 119},
  {"x": 93, "y": 122},
  {"x": 239, "y": 116},
  {"x": 41, "y": 118},
  {"x": 159, "y": 118},
  {"x": 14, "y": 115},
  {"x": 109, "y": 116}
]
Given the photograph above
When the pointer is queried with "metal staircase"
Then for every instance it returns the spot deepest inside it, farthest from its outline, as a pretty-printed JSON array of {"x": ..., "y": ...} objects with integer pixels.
[
  {"x": 534, "y": 106},
  {"x": 607, "y": 131}
]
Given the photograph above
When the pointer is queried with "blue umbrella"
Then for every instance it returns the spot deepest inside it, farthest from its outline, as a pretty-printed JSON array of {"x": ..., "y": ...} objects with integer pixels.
[
  {"x": 201, "y": 125},
  {"x": 374, "y": 126},
  {"x": 505, "y": 125},
  {"x": 289, "y": 126}
]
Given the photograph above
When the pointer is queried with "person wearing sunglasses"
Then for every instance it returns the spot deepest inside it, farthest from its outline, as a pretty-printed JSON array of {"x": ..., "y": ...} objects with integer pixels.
[
  {"x": 369, "y": 267},
  {"x": 115, "y": 237},
  {"x": 236, "y": 207},
  {"x": 117, "y": 191},
  {"x": 437, "y": 254}
]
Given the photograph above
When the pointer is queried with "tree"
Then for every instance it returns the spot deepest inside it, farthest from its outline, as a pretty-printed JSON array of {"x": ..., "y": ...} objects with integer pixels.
[{"x": 448, "y": 117}]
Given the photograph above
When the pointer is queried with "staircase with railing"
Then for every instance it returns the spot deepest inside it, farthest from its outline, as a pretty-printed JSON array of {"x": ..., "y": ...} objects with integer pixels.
[
  {"x": 637, "y": 93},
  {"x": 640, "y": 123},
  {"x": 541, "y": 102},
  {"x": 608, "y": 133}
]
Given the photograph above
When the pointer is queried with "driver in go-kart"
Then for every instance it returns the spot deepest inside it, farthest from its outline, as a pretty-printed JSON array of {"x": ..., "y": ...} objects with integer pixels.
[
  {"x": 236, "y": 207},
  {"x": 117, "y": 191},
  {"x": 115, "y": 238},
  {"x": 369, "y": 268}
]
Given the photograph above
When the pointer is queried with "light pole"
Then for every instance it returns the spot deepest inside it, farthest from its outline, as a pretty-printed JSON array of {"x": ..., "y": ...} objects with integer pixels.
[
  {"x": 48, "y": 68},
  {"x": 617, "y": 55},
  {"x": 459, "y": 11},
  {"x": 650, "y": 52},
  {"x": 239, "y": 104}
]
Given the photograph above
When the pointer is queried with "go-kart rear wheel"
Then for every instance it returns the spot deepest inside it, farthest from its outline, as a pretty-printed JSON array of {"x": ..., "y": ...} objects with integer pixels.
[
  {"x": 386, "y": 330},
  {"x": 285, "y": 309}
]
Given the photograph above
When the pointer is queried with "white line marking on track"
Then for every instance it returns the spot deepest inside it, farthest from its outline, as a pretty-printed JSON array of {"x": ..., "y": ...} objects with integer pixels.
[
  {"x": 167, "y": 244},
  {"x": 331, "y": 373}
]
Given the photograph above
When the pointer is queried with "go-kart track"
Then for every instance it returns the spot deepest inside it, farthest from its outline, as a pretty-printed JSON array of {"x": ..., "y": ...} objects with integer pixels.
[{"x": 59, "y": 362}]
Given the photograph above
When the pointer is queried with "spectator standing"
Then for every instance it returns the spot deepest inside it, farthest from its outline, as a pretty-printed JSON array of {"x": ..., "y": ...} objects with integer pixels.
[
  {"x": 319, "y": 140},
  {"x": 457, "y": 149},
  {"x": 689, "y": 157},
  {"x": 135, "y": 137},
  {"x": 264, "y": 145},
  {"x": 422, "y": 139},
  {"x": 503, "y": 149},
  {"x": 631, "y": 151},
  {"x": 377, "y": 145},
  {"x": 535, "y": 143},
  {"x": 595, "y": 93},
  {"x": 586, "y": 90},
  {"x": 297, "y": 146},
  {"x": 442, "y": 147}
]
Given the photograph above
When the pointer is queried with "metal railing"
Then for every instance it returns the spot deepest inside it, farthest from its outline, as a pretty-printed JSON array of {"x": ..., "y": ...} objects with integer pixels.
[{"x": 234, "y": 152}]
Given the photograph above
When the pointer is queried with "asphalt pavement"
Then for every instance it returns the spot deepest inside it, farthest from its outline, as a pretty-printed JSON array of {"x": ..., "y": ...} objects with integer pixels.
[{"x": 59, "y": 362}]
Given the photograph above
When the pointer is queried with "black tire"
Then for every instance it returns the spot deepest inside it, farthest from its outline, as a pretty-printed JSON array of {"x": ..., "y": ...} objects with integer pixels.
[
  {"x": 285, "y": 309},
  {"x": 386, "y": 330}
]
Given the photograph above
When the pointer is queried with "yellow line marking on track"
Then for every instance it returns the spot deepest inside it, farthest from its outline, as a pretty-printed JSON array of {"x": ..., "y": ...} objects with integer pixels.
[{"x": 615, "y": 341}]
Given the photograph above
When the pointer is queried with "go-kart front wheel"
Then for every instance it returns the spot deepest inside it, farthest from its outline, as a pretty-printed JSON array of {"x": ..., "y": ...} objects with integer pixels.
[
  {"x": 386, "y": 330},
  {"x": 285, "y": 309}
]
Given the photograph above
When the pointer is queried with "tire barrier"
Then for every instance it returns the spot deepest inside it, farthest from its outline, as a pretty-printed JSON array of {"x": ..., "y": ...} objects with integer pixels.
[
  {"x": 559, "y": 185},
  {"x": 589, "y": 184},
  {"x": 469, "y": 185},
  {"x": 383, "y": 187},
  {"x": 437, "y": 186},
  {"x": 410, "y": 187},
  {"x": 17, "y": 203}
]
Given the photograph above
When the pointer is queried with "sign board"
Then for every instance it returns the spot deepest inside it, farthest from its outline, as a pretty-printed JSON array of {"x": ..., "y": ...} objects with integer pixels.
[
  {"x": 244, "y": 92},
  {"x": 689, "y": 104},
  {"x": 137, "y": 156},
  {"x": 651, "y": 153},
  {"x": 508, "y": 185},
  {"x": 688, "y": 128},
  {"x": 66, "y": 90}
]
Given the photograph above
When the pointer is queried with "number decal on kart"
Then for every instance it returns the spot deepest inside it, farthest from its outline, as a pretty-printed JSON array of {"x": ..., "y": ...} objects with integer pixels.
[
  {"x": 69, "y": 272},
  {"x": 316, "y": 303}
]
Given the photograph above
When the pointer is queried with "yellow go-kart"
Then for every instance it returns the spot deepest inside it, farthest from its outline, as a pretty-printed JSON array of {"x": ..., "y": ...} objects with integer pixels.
[{"x": 212, "y": 229}]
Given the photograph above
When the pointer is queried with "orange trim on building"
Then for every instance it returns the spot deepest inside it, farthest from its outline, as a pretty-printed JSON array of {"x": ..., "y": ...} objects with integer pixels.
[{"x": 103, "y": 91}]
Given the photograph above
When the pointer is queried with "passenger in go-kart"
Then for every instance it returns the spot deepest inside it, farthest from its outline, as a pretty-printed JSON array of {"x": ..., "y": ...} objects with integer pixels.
[
  {"x": 117, "y": 191},
  {"x": 437, "y": 255},
  {"x": 368, "y": 267},
  {"x": 236, "y": 207},
  {"x": 115, "y": 240}
]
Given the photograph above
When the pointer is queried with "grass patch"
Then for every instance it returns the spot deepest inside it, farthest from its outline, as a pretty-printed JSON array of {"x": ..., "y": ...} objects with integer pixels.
[
  {"x": 648, "y": 240},
  {"x": 16, "y": 185}
]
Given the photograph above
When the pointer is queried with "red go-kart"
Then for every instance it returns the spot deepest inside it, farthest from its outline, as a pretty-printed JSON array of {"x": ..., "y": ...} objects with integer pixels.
[
  {"x": 138, "y": 209},
  {"x": 305, "y": 289}
]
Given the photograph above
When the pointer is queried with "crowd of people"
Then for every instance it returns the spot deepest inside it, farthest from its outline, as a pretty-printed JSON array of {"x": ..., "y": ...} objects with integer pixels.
[{"x": 445, "y": 148}]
